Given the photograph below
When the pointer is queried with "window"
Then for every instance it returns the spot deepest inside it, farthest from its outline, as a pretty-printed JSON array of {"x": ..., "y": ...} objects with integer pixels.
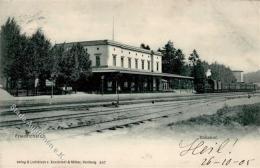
[
  {"x": 97, "y": 60},
  {"x": 122, "y": 61},
  {"x": 157, "y": 66},
  {"x": 129, "y": 62},
  {"x": 97, "y": 48},
  {"x": 148, "y": 64},
  {"x": 136, "y": 63},
  {"x": 142, "y": 64},
  {"x": 114, "y": 60}
]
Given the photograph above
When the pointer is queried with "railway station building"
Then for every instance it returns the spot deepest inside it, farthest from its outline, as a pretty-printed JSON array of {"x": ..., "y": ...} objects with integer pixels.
[{"x": 121, "y": 67}]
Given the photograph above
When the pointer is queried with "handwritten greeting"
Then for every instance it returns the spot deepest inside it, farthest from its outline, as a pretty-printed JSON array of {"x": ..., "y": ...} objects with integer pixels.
[{"x": 212, "y": 152}]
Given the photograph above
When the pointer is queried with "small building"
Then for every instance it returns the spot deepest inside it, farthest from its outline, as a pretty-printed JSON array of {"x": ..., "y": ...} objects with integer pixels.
[
  {"x": 239, "y": 75},
  {"x": 129, "y": 68}
]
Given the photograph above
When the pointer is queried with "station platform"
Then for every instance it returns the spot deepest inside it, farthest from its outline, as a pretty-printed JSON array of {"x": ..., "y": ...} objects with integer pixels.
[{"x": 81, "y": 97}]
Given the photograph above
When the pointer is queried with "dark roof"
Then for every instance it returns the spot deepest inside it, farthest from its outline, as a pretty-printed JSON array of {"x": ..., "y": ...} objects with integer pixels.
[
  {"x": 112, "y": 43},
  {"x": 237, "y": 71},
  {"x": 125, "y": 71}
]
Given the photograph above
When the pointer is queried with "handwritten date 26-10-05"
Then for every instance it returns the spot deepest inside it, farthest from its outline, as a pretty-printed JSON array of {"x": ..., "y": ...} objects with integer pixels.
[{"x": 199, "y": 147}]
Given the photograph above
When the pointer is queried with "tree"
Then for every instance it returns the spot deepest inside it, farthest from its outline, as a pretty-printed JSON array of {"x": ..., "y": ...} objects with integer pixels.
[
  {"x": 14, "y": 57},
  {"x": 173, "y": 60},
  {"x": 82, "y": 62},
  {"x": 186, "y": 70},
  {"x": 194, "y": 57},
  {"x": 73, "y": 65},
  {"x": 252, "y": 77},
  {"x": 197, "y": 71},
  {"x": 147, "y": 47},
  {"x": 57, "y": 54},
  {"x": 179, "y": 62},
  {"x": 199, "y": 77},
  {"x": 222, "y": 73},
  {"x": 41, "y": 62},
  {"x": 168, "y": 52},
  {"x": 12, "y": 52},
  {"x": 23, "y": 64}
]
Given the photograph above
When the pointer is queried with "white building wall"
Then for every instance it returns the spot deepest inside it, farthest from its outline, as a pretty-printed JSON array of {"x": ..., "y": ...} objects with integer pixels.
[
  {"x": 126, "y": 53},
  {"x": 101, "y": 50},
  {"x": 106, "y": 53},
  {"x": 157, "y": 58}
]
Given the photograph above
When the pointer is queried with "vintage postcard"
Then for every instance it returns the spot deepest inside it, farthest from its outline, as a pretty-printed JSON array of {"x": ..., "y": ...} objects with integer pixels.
[{"x": 129, "y": 83}]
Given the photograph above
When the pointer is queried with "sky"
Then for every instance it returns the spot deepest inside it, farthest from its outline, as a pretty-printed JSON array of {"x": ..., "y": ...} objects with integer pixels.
[{"x": 225, "y": 31}]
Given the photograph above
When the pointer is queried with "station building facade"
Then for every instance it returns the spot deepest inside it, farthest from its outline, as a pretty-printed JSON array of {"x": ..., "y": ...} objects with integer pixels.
[{"x": 121, "y": 67}]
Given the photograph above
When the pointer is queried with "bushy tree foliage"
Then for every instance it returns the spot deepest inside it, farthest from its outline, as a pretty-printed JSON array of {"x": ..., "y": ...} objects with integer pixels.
[
  {"x": 72, "y": 64},
  {"x": 197, "y": 71},
  {"x": 222, "y": 73},
  {"x": 179, "y": 62},
  {"x": 41, "y": 62},
  {"x": 173, "y": 60},
  {"x": 10, "y": 49},
  {"x": 13, "y": 55},
  {"x": 219, "y": 72},
  {"x": 147, "y": 47},
  {"x": 194, "y": 57},
  {"x": 252, "y": 77},
  {"x": 23, "y": 59},
  {"x": 199, "y": 76},
  {"x": 168, "y": 52}
]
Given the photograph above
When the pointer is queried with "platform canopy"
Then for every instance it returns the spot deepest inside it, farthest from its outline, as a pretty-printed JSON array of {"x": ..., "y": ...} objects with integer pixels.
[{"x": 125, "y": 71}]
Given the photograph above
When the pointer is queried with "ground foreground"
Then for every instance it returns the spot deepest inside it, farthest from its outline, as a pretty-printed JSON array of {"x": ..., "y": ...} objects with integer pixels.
[
  {"x": 159, "y": 142},
  {"x": 242, "y": 115}
]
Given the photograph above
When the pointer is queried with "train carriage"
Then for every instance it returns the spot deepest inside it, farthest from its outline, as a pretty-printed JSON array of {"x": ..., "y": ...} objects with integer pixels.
[{"x": 213, "y": 86}]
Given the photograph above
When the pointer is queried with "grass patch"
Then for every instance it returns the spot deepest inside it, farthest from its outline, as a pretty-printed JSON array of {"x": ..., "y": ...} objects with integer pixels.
[{"x": 244, "y": 115}]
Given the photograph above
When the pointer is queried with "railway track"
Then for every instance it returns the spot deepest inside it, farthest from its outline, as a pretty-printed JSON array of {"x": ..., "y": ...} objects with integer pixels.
[
  {"x": 117, "y": 114},
  {"x": 96, "y": 121},
  {"x": 132, "y": 120},
  {"x": 79, "y": 106}
]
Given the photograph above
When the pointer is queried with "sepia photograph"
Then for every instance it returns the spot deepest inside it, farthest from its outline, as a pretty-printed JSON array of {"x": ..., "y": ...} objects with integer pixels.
[{"x": 129, "y": 83}]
